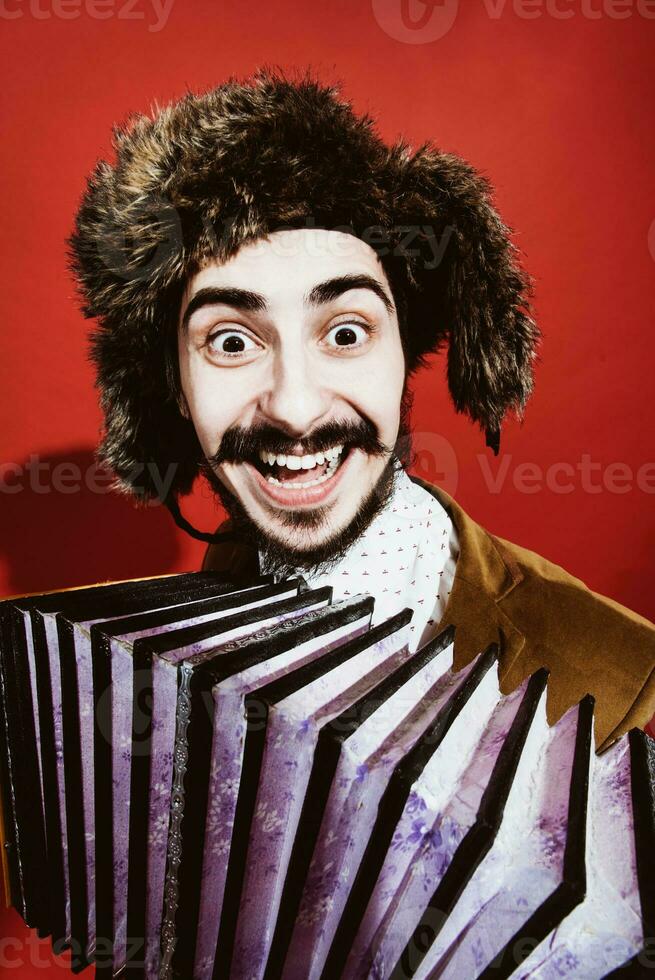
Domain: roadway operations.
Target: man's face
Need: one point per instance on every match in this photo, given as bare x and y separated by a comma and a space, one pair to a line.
292, 370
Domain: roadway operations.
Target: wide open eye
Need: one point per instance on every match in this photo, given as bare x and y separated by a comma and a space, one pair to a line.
345, 335
230, 343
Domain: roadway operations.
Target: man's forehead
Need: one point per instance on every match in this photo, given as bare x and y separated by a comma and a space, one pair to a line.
288, 264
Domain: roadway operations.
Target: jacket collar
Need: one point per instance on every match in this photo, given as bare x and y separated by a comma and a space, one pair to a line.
485, 575
479, 608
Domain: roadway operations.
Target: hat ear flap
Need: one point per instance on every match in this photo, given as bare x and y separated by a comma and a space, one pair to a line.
477, 290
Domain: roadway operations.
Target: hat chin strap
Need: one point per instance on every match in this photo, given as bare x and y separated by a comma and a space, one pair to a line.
184, 525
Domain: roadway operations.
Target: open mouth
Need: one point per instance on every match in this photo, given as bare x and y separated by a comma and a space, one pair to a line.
295, 472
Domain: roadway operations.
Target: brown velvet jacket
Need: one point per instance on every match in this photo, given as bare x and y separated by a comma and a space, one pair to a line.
540, 616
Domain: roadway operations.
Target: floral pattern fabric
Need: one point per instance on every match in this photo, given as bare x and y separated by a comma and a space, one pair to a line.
440, 808
226, 767
526, 861
605, 929
291, 735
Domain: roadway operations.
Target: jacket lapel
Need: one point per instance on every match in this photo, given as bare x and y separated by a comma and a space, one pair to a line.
484, 576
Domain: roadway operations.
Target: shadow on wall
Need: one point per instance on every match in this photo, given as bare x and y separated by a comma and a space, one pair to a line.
62, 525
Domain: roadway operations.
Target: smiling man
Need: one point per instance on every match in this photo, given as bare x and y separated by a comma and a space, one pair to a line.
268, 274
295, 389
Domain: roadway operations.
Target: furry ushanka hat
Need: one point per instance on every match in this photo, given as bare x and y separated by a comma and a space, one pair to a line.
199, 178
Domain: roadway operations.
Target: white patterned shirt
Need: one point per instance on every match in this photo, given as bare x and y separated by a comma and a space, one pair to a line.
405, 557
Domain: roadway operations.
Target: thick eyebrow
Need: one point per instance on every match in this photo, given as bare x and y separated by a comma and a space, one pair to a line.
326, 291
251, 302
240, 299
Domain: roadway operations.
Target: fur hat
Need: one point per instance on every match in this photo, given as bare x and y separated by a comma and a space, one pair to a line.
199, 178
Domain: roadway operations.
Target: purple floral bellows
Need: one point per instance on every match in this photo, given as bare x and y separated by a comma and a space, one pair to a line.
206, 782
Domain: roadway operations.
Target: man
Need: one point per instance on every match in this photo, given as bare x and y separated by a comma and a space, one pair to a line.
268, 274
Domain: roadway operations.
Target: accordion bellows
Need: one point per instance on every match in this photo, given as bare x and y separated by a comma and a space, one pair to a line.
206, 782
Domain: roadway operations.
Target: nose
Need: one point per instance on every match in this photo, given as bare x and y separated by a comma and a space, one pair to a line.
295, 398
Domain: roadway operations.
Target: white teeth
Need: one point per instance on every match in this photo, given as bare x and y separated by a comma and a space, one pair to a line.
307, 462
334, 452
306, 483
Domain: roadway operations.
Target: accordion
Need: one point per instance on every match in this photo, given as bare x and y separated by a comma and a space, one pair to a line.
210, 782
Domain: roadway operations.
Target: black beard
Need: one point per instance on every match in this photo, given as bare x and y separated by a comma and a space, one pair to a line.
281, 559
275, 556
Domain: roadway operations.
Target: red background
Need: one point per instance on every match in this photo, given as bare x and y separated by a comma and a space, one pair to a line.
554, 110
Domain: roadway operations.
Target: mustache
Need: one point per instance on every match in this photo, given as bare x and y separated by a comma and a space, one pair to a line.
240, 444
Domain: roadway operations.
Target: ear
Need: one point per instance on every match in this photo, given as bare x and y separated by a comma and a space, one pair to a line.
476, 298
